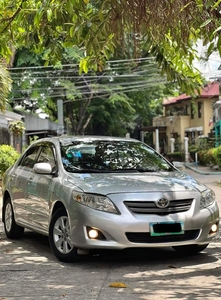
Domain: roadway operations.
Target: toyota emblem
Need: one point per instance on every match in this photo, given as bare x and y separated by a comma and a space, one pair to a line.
163, 203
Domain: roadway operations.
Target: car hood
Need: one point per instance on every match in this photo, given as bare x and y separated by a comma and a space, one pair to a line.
108, 183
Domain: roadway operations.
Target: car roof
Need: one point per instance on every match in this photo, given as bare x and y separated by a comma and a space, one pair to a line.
69, 139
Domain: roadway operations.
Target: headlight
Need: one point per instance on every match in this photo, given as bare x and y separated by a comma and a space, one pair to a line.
96, 202
207, 198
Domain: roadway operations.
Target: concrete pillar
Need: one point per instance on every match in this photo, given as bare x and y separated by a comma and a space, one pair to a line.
60, 117
11, 139
186, 152
60, 112
157, 147
142, 136
172, 141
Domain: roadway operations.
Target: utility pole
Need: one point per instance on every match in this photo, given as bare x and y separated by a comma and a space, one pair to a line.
60, 129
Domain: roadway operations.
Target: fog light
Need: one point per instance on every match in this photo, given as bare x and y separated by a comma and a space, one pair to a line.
214, 228
93, 234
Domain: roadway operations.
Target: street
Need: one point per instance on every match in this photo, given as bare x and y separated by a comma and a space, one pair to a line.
29, 270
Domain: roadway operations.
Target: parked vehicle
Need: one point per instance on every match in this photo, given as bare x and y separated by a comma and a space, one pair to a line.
95, 192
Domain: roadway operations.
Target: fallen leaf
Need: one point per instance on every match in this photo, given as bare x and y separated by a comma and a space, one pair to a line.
118, 285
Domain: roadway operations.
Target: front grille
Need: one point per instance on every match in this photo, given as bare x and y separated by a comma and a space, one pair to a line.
145, 237
149, 207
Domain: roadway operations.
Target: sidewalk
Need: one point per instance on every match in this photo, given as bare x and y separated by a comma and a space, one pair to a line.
204, 170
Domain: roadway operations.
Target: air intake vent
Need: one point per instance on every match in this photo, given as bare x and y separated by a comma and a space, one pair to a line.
144, 237
149, 207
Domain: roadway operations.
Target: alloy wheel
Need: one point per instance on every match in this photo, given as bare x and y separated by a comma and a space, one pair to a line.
61, 235
8, 216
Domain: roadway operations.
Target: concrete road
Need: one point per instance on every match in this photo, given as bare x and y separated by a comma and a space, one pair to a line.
28, 270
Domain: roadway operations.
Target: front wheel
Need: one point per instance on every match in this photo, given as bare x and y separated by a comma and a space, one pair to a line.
12, 230
59, 237
190, 249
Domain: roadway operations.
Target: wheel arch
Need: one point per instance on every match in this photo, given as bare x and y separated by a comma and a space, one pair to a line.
57, 205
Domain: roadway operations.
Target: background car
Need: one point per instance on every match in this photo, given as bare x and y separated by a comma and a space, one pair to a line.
93, 192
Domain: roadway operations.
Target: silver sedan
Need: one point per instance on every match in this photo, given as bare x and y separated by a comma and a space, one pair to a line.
92, 192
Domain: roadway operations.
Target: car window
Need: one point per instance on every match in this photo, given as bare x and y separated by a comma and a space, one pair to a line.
30, 157
112, 156
47, 155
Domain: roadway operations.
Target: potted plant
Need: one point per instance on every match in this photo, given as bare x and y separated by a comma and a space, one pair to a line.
17, 128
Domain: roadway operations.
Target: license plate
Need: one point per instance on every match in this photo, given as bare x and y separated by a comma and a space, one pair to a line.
166, 228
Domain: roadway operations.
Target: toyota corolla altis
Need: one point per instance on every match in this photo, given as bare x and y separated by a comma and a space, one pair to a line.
93, 192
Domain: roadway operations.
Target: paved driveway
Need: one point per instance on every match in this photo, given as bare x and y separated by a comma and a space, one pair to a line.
28, 270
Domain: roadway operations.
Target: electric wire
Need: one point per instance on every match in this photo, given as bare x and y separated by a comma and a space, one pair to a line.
124, 75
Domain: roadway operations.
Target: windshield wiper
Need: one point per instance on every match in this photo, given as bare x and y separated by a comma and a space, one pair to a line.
129, 170
132, 170
136, 170
87, 171
146, 170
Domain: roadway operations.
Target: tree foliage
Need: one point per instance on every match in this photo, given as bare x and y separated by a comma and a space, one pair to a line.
8, 156
108, 102
5, 86
166, 29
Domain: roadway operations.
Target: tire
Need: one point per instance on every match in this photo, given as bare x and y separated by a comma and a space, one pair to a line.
59, 237
190, 249
12, 230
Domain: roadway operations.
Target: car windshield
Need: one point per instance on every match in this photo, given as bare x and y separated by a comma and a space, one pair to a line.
112, 156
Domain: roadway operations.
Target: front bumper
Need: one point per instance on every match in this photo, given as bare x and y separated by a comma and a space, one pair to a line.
133, 231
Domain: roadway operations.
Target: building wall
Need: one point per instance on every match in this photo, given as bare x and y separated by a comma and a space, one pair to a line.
178, 121
5, 118
184, 123
208, 114
34, 123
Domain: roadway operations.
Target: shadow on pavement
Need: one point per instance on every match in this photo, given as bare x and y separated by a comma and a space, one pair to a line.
37, 246
29, 270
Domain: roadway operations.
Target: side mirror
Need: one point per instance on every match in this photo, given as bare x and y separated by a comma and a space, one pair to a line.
42, 168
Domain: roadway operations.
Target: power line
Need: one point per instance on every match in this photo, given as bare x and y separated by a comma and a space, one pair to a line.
58, 67
103, 92
105, 73
111, 85
76, 69
120, 76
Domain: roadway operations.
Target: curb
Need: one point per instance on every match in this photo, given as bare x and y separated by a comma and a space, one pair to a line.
194, 168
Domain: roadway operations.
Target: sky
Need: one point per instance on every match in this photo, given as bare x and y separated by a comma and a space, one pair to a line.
209, 69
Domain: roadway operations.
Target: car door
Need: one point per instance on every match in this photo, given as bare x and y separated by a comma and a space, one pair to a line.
40, 189
19, 183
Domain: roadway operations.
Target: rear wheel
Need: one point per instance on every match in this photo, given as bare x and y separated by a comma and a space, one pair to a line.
190, 249
12, 230
59, 237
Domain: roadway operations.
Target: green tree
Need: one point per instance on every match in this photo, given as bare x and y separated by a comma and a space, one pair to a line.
8, 156
167, 29
113, 101
112, 115
30, 89
5, 86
